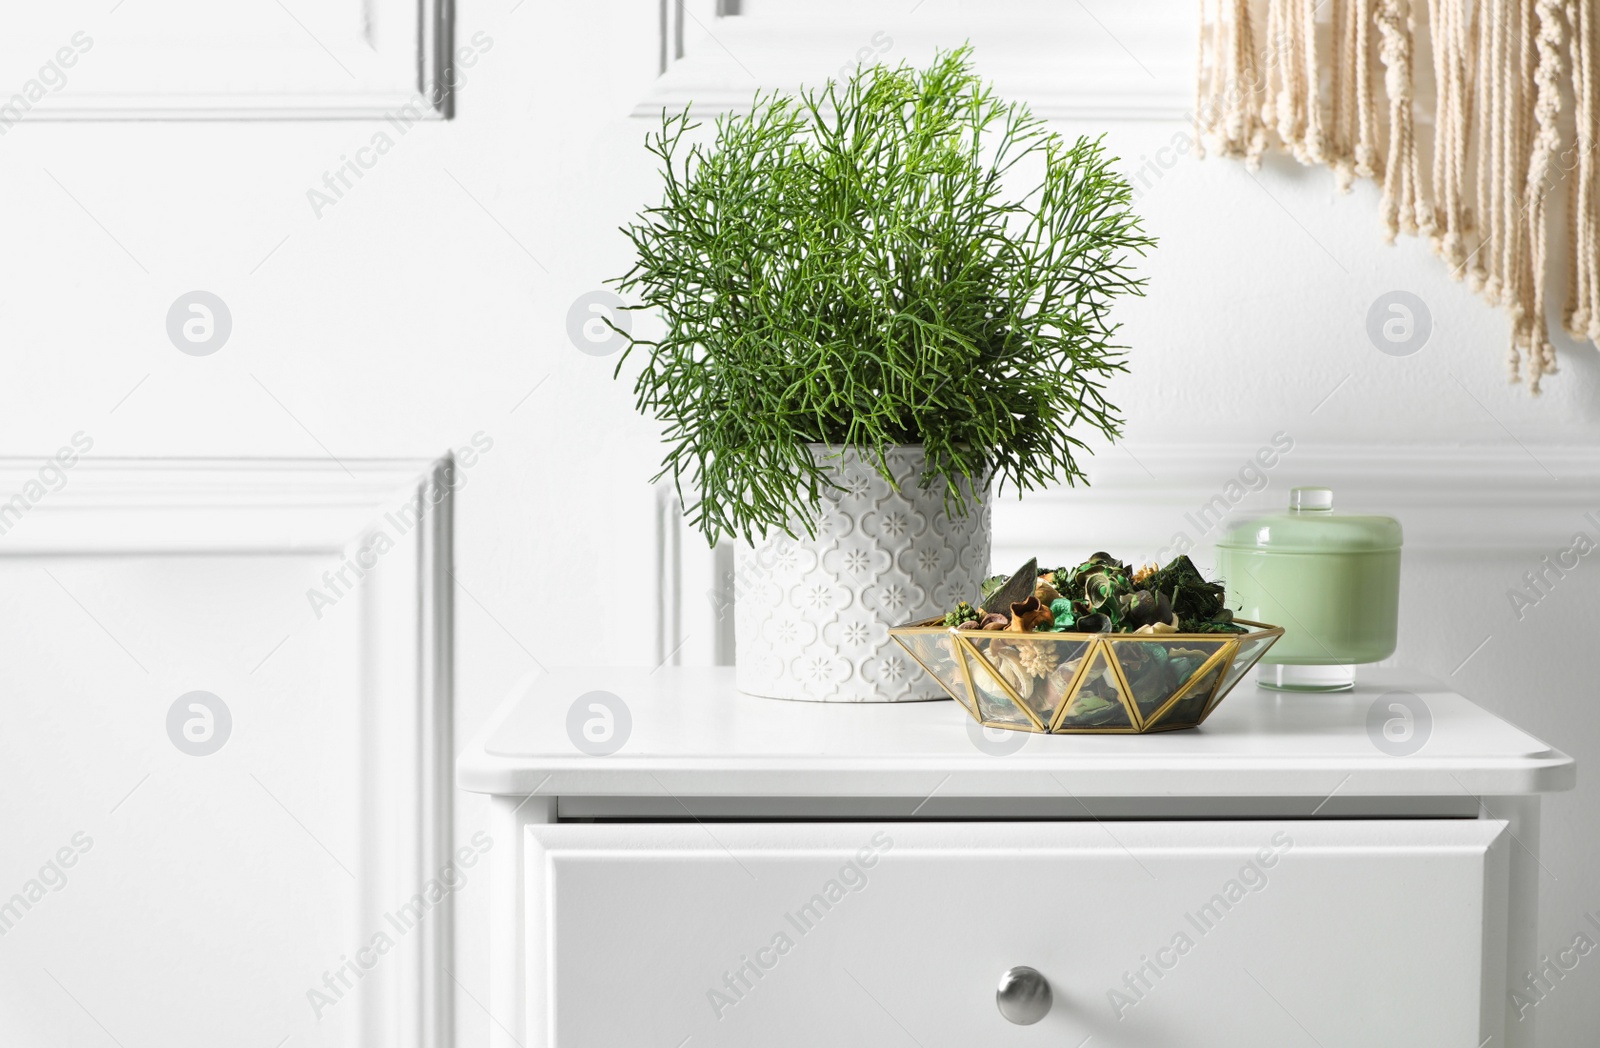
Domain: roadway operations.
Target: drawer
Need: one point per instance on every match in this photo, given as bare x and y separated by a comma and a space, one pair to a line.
1229, 934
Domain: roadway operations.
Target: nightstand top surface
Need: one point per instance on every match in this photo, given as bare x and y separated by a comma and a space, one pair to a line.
692, 734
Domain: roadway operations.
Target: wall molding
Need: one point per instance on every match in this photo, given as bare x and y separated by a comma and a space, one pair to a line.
138, 507
1066, 62
131, 505
694, 595
338, 60
1486, 500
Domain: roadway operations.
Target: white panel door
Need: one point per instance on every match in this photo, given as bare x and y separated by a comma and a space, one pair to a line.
1194, 934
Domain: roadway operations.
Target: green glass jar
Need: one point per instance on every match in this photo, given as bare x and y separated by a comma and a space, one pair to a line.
1331, 580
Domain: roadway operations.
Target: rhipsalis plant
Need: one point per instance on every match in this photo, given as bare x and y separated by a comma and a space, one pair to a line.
903, 258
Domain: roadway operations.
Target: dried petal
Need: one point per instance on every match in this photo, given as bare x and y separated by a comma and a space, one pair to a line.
1029, 615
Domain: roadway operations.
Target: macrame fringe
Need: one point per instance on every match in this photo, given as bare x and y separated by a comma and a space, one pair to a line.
1476, 175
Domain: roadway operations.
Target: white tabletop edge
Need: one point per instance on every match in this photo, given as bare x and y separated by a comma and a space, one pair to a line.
1522, 765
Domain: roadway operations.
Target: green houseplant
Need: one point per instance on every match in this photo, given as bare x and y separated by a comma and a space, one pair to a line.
879, 298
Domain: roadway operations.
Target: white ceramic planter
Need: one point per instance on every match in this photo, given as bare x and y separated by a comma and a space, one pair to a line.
812, 616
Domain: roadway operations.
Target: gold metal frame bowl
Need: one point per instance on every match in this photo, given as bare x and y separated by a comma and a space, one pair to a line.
1086, 683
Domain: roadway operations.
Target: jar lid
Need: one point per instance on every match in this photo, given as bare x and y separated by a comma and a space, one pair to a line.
1310, 525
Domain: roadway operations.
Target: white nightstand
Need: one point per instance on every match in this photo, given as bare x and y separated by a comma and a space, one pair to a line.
761, 874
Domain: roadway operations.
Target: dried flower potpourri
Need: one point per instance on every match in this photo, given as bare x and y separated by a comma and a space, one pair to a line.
1101, 595
1092, 648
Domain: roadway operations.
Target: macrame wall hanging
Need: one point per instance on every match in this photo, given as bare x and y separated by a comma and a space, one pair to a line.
1473, 115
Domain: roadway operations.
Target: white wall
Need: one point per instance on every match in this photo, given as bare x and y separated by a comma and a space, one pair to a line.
431, 303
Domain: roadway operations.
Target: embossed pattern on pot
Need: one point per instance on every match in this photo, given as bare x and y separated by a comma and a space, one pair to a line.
813, 615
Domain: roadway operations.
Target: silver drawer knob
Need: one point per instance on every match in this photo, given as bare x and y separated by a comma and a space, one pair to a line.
1024, 995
